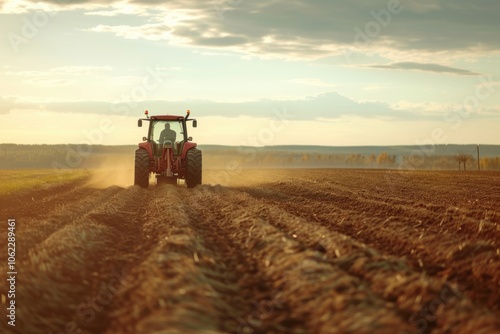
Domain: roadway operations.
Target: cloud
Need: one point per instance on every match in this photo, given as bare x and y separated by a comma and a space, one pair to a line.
416, 31
46, 82
152, 31
6, 105
27, 6
437, 109
331, 107
220, 41
435, 68
427, 107
325, 106
122, 10
58, 76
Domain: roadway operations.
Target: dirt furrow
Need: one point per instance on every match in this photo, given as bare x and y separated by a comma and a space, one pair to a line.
252, 308
35, 230
437, 217
467, 190
171, 287
281, 251
308, 289
37, 202
68, 279
425, 302
451, 256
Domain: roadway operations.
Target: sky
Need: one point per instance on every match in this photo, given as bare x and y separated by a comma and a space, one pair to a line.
275, 72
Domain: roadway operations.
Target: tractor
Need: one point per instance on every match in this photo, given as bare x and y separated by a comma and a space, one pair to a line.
168, 152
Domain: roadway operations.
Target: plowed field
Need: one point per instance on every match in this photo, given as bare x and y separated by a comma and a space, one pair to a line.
281, 251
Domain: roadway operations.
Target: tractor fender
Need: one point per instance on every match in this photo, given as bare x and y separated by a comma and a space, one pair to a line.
186, 148
147, 146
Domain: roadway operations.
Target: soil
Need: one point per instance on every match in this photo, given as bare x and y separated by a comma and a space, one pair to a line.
271, 251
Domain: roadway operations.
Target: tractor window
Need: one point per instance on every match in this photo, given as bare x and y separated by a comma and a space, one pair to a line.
167, 130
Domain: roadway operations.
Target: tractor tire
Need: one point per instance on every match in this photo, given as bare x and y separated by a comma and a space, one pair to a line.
141, 175
194, 171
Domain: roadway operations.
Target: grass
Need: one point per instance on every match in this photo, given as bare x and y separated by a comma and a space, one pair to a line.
13, 181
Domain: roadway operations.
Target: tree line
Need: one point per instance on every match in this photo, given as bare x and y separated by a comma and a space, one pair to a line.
47, 156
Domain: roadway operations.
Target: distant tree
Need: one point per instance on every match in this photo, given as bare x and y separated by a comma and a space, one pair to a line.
355, 159
372, 159
463, 158
490, 163
386, 159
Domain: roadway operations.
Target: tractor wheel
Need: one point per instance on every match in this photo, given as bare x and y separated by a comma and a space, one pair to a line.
194, 163
141, 175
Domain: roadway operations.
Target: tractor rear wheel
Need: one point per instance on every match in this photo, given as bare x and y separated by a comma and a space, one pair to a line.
194, 164
141, 175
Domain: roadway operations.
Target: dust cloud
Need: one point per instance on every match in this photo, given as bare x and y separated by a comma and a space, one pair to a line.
112, 170
218, 169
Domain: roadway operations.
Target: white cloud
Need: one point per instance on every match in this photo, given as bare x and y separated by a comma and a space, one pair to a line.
152, 31
46, 82
120, 9
426, 107
434, 108
27, 6
324, 106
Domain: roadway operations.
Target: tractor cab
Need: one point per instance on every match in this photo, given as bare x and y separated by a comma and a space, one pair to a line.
167, 130
166, 133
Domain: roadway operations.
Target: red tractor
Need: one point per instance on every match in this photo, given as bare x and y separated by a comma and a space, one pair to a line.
168, 152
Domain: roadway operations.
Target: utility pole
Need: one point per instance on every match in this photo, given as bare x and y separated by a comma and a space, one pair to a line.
478, 164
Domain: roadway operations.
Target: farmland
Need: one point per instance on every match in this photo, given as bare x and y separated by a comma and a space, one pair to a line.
264, 251
16, 181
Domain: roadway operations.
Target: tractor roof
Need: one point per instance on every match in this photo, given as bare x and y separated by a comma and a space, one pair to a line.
167, 118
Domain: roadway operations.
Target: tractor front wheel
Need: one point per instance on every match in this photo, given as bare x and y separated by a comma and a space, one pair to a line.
141, 175
193, 172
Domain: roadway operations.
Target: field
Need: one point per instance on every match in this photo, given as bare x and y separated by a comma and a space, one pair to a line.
16, 181
268, 251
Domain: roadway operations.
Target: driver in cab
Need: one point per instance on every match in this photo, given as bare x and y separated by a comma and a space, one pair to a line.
167, 134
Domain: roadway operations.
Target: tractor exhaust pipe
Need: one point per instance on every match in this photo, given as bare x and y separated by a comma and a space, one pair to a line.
187, 115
